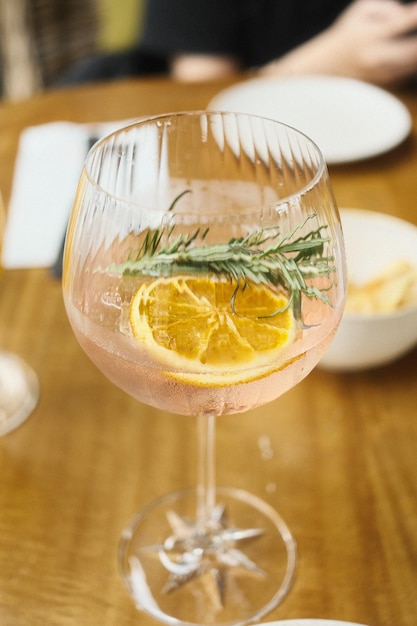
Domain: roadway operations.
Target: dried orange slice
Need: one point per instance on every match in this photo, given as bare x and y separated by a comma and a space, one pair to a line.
195, 326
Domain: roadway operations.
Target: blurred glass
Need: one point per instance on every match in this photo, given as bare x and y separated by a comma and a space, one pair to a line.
19, 385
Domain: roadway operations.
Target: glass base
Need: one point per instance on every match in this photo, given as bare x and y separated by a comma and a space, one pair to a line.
19, 392
231, 570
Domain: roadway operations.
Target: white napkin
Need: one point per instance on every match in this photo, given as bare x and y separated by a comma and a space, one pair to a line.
47, 169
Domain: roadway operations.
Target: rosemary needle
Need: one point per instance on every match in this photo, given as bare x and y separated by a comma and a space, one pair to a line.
265, 256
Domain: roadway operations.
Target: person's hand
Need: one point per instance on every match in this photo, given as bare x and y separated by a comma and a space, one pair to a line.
198, 67
372, 40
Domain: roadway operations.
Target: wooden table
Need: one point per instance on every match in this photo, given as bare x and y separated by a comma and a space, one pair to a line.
342, 468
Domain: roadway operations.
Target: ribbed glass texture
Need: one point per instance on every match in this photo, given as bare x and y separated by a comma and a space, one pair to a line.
172, 213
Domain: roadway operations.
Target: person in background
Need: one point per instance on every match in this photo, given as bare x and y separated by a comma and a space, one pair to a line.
200, 40
371, 40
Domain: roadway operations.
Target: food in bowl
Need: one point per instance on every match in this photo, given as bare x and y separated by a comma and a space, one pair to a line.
381, 255
393, 288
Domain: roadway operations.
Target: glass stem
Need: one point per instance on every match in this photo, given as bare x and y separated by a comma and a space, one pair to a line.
206, 488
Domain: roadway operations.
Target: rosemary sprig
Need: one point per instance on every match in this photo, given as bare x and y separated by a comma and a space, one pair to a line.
266, 256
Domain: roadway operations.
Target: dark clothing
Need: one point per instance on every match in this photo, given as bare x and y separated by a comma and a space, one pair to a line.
114, 66
253, 31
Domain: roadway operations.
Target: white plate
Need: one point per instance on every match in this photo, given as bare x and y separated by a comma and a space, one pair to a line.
310, 622
348, 119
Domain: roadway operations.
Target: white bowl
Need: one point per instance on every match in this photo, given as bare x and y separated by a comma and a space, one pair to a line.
373, 241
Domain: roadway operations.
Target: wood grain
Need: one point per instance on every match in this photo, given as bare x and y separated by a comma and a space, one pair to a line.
342, 468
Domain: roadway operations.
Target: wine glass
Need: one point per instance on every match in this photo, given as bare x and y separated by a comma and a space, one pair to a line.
19, 386
204, 274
